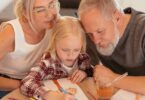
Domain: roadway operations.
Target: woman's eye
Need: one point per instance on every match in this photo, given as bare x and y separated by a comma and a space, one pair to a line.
39, 10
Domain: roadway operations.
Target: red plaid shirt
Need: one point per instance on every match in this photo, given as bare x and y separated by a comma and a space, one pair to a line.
48, 68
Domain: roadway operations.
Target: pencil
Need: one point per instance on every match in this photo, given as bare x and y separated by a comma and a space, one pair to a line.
61, 88
117, 79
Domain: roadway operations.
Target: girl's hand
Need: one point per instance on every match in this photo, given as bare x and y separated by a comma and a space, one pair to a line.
77, 76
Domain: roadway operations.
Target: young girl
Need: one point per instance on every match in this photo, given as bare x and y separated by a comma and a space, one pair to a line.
65, 57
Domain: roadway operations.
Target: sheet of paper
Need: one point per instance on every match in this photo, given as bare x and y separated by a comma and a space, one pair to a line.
65, 83
126, 95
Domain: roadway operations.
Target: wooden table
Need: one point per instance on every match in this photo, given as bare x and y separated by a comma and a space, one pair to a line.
88, 86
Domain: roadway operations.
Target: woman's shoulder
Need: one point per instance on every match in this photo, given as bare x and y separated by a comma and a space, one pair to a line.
7, 38
6, 29
7, 33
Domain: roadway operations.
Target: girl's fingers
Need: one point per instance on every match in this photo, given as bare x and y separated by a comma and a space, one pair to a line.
79, 76
75, 77
73, 74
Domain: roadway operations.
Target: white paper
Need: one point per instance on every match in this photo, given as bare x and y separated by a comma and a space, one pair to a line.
65, 83
126, 95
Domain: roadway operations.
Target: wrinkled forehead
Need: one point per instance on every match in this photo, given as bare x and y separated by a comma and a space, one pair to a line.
92, 20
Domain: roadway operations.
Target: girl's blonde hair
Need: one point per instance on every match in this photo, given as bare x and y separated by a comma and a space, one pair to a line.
64, 27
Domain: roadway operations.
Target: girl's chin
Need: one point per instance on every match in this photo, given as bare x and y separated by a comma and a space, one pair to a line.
69, 65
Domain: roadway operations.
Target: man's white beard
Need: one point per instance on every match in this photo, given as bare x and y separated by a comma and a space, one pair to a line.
110, 48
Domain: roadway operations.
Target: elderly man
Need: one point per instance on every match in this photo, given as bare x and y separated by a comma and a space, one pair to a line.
119, 37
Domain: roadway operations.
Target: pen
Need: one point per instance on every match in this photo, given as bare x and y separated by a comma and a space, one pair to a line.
61, 88
92, 66
117, 79
64, 91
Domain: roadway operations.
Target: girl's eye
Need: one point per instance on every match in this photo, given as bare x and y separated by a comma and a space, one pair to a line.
77, 50
65, 50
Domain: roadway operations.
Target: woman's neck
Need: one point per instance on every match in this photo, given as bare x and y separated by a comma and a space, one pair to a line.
31, 36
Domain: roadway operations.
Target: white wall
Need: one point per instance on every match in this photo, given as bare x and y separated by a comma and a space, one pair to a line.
137, 4
6, 9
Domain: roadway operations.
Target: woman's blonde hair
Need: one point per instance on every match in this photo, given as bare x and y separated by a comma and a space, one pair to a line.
65, 27
22, 6
26, 6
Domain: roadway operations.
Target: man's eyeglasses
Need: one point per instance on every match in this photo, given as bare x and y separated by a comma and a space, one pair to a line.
54, 6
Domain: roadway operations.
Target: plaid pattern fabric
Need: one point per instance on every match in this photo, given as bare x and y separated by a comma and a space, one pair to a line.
47, 68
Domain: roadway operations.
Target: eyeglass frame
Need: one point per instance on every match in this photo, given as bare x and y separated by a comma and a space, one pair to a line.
52, 6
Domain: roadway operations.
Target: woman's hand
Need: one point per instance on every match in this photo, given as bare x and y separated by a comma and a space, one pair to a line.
14, 84
56, 95
77, 76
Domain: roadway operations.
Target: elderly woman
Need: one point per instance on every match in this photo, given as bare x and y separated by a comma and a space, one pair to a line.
24, 39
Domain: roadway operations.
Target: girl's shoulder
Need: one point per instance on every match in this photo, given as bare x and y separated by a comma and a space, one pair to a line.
83, 61
46, 55
83, 56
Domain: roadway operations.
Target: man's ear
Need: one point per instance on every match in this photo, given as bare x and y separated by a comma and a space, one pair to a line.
117, 15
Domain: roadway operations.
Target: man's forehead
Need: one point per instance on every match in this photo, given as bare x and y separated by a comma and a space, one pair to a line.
92, 24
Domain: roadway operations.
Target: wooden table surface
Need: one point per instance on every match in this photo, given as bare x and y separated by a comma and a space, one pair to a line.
88, 86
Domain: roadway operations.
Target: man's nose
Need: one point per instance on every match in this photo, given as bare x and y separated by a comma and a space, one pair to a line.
96, 39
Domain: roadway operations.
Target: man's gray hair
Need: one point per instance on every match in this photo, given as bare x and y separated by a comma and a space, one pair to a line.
105, 6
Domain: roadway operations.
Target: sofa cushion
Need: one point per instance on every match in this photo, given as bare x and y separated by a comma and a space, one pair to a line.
69, 3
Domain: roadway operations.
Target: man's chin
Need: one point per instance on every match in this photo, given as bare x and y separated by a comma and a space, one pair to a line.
105, 51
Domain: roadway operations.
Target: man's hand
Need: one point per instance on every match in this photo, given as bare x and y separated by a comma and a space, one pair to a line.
103, 75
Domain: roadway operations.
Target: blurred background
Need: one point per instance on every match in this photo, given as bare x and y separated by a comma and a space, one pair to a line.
68, 7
